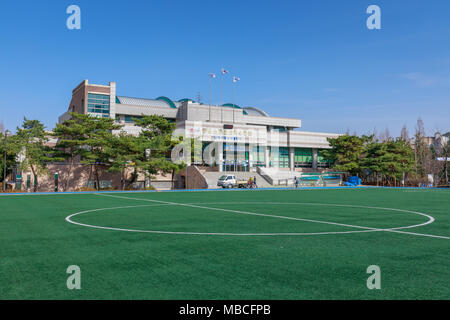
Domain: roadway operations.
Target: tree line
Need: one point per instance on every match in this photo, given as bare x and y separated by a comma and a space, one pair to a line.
390, 161
101, 144
96, 142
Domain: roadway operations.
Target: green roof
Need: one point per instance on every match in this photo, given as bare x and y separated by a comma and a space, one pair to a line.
185, 99
168, 101
235, 106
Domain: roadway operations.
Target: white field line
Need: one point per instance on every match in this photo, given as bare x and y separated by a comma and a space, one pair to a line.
366, 229
69, 219
247, 213
430, 218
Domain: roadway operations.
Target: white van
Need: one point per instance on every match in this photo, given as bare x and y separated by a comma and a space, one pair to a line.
227, 181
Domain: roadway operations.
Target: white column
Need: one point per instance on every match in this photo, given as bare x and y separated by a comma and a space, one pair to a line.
112, 100
250, 156
314, 159
291, 158
267, 156
219, 155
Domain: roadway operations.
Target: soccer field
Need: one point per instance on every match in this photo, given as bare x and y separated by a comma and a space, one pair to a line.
256, 244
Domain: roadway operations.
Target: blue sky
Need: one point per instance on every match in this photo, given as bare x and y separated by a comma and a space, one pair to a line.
313, 60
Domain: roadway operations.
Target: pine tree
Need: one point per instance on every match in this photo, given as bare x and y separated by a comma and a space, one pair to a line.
32, 139
98, 140
72, 135
347, 152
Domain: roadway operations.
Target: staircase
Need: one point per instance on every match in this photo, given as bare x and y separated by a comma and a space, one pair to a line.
277, 177
212, 177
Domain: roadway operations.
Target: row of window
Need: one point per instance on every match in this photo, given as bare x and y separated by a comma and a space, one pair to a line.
128, 119
280, 160
98, 104
98, 97
98, 109
99, 115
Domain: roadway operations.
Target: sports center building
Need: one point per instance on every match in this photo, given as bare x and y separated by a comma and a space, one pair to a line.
261, 139
244, 140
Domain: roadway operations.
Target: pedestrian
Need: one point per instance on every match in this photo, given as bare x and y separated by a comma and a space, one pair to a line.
296, 181
254, 182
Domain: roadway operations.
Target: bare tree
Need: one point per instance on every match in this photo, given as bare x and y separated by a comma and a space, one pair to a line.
420, 129
385, 136
441, 151
422, 151
375, 134
2, 127
404, 134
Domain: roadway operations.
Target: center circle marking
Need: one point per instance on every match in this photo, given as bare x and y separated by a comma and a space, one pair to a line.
366, 229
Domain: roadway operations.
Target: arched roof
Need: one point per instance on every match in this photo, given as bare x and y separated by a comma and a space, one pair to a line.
141, 102
253, 111
168, 101
185, 99
235, 106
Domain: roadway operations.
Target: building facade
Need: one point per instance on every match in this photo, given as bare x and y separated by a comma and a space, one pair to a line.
243, 138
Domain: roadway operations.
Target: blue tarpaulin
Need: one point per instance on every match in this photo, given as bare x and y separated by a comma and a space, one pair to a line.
353, 181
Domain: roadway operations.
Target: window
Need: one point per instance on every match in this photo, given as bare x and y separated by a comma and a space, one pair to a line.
258, 156
280, 129
98, 104
303, 158
280, 160
130, 119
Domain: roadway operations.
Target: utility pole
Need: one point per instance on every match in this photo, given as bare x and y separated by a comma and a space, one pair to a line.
7, 132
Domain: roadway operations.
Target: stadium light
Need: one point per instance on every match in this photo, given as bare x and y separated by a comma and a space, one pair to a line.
7, 133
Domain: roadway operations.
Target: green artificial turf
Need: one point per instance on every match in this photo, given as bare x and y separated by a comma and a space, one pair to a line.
37, 245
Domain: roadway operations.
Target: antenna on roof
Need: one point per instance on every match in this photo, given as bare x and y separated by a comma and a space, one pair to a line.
199, 98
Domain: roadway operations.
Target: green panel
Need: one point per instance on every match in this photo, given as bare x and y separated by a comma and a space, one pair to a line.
303, 155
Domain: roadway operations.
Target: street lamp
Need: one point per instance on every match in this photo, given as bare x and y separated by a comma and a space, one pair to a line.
7, 133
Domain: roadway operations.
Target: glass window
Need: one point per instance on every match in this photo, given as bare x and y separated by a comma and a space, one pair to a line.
258, 155
280, 129
303, 157
130, 119
280, 160
98, 104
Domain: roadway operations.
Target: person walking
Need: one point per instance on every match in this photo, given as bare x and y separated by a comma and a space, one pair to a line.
254, 182
296, 182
